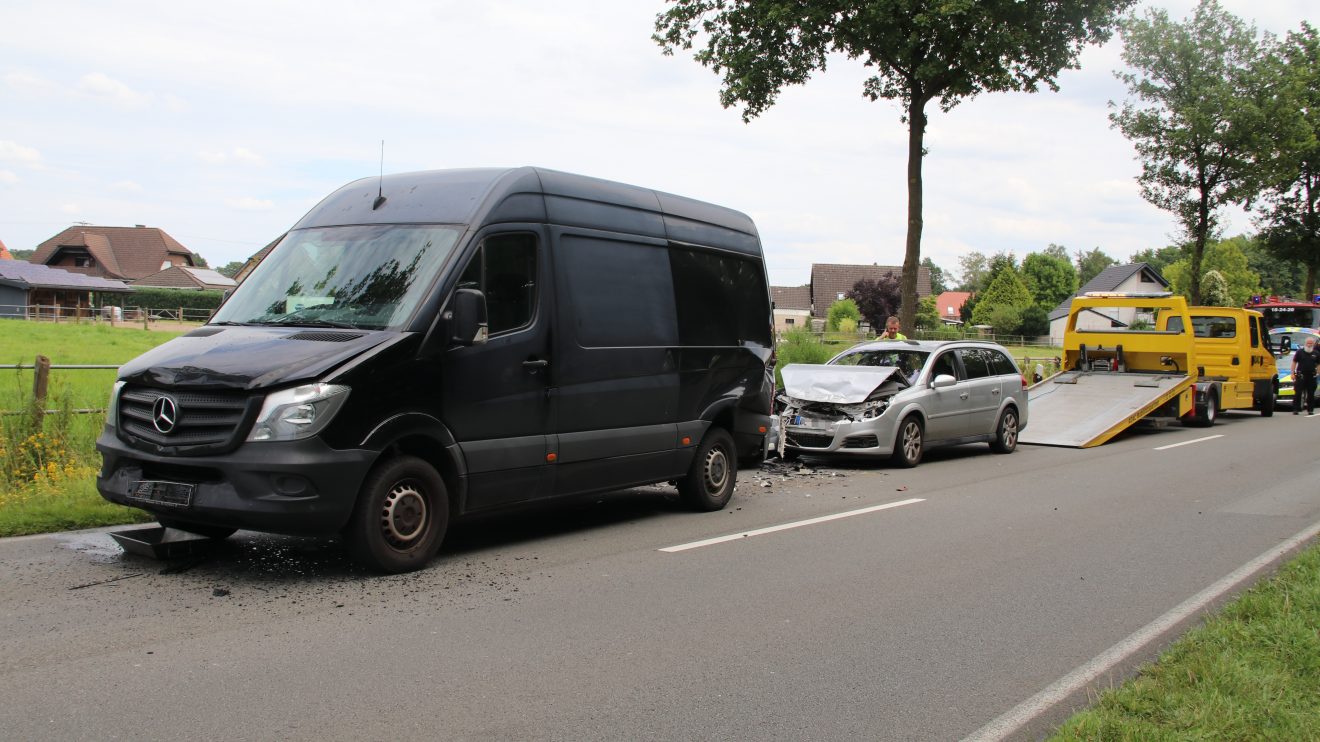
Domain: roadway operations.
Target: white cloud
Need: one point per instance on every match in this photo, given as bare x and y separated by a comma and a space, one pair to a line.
248, 203
99, 85
24, 82
15, 152
70, 208
8, 177
126, 185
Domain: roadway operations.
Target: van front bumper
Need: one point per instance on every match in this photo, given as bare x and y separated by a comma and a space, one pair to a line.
294, 487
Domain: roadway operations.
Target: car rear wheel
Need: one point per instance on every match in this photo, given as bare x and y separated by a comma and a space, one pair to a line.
713, 473
401, 516
911, 441
1006, 433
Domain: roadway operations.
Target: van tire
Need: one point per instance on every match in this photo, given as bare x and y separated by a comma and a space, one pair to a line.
215, 532
714, 472
910, 443
1006, 432
401, 516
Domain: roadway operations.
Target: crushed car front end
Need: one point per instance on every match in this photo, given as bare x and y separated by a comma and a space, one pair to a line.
839, 410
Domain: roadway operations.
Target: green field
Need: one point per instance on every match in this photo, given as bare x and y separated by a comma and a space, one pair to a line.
47, 474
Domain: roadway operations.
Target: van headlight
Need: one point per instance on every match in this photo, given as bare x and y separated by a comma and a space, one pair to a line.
300, 412
112, 409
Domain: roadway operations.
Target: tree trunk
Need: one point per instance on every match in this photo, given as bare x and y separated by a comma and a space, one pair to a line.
907, 312
1198, 249
1310, 281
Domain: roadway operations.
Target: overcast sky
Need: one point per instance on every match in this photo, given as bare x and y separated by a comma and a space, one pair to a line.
223, 123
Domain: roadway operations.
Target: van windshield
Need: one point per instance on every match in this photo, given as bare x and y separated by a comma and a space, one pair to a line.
367, 277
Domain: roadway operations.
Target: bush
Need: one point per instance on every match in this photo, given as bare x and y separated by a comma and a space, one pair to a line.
848, 326
1035, 322
154, 298
799, 346
841, 310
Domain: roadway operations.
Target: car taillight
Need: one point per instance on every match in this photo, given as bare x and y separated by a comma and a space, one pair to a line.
1024, 382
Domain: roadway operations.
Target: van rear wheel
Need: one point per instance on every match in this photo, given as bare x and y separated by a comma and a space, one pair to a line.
713, 473
401, 516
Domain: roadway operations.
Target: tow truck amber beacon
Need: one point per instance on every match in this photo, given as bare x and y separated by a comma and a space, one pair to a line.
425, 346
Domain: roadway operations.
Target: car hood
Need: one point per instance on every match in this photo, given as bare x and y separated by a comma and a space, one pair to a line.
837, 384
250, 357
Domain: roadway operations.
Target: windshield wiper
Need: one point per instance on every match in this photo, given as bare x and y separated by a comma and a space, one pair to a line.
307, 323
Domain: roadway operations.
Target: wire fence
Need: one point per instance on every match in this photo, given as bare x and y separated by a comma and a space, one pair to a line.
41, 382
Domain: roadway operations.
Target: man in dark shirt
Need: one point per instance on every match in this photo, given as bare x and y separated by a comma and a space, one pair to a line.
1303, 372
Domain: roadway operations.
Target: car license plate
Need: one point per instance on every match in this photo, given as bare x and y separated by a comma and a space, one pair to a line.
173, 494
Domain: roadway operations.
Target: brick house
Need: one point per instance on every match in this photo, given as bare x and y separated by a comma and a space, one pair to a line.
124, 253
792, 307
830, 282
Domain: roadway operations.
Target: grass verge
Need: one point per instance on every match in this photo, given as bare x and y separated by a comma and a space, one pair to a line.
65, 505
1251, 672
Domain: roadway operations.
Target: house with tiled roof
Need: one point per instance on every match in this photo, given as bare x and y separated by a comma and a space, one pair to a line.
1129, 278
949, 306
27, 289
125, 253
792, 307
831, 281
187, 277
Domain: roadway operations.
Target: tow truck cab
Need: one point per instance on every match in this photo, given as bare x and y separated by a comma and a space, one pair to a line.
1235, 368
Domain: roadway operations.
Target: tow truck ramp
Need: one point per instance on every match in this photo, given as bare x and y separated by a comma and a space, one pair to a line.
1081, 409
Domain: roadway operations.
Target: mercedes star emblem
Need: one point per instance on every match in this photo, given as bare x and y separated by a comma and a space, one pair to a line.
164, 414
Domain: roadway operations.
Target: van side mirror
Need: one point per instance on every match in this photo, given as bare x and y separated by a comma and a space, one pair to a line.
943, 380
467, 317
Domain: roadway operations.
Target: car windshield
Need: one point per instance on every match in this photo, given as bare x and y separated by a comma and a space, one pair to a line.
909, 362
367, 277
1294, 340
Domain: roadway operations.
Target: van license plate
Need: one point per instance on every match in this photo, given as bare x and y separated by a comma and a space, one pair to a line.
174, 494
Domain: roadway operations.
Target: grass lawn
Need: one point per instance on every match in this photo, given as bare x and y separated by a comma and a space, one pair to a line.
1250, 672
47, 476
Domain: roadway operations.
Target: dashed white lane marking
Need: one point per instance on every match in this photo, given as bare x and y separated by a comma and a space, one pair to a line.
1188, 443
786, 526
1020, 715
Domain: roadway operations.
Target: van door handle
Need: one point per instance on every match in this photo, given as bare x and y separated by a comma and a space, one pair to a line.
535, 363
995, 391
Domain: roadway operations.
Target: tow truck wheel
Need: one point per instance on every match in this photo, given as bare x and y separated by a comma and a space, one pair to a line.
1006, 433
911, 435
709, 481
1204, 417
401, 516
1267, 404
215, 532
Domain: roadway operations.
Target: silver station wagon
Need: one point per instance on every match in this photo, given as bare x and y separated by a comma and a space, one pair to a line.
898, 397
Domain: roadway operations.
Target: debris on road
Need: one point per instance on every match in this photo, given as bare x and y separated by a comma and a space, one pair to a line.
775, 470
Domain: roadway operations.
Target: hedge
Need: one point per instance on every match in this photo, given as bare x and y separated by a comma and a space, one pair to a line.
155, 298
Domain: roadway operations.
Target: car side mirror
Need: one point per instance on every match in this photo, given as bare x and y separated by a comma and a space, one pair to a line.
943, 380
467, 317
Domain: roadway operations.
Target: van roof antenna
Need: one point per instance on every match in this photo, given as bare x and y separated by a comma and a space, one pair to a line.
380, 192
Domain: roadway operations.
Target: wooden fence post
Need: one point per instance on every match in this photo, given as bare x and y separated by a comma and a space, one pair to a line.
40, 382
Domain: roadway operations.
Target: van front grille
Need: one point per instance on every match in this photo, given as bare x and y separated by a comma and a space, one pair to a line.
209, 420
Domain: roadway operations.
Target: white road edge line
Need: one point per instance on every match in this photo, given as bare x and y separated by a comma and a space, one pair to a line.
1020, 715
786, 526
1188, 443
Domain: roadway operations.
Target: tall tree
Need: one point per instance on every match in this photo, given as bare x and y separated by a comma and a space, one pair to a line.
1050, 278
1090, 263
921, 50
972, 267
1057, 251
1229, 260
1006, 291
1291, 158
939, 281
1194, 115
1159, 258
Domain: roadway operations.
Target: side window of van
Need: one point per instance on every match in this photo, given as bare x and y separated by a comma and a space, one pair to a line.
504, 269
721, 298
620, 294
974, 361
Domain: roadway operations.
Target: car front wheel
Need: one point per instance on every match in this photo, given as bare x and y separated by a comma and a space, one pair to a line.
910, 443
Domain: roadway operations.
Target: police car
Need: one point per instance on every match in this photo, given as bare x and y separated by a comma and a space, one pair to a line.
1286, 341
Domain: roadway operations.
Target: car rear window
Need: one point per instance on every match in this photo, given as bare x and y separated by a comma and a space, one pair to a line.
1000, 364
974, 360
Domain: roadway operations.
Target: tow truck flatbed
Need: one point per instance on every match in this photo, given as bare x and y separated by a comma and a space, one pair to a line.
1081, 409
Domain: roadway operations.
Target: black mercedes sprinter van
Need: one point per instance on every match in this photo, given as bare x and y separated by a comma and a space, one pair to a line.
429, 345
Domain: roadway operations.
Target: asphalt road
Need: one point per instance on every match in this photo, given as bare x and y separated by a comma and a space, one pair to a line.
926, 620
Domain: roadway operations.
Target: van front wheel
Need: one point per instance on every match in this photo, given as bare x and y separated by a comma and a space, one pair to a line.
714, 470
401, 516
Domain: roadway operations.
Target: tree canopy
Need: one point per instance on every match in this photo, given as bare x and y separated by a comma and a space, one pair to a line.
1050, 278
1091, 263
877, 299
921, 51
1006, 290
1195, 115
1229, 260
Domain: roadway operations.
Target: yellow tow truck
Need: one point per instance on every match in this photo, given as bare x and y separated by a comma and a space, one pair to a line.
1235, 369
1119, 368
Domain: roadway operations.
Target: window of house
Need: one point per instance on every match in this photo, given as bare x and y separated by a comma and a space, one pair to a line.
504, 269
788, 320
82, 262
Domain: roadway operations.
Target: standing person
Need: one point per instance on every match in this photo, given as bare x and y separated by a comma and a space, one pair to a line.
891, 330
1303, 372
